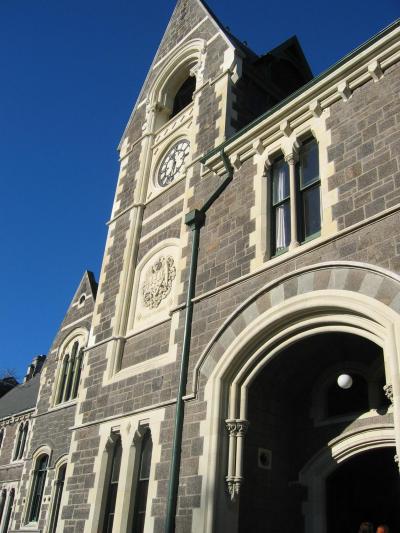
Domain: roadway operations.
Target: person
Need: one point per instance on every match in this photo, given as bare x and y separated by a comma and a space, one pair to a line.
366, 527
382, 529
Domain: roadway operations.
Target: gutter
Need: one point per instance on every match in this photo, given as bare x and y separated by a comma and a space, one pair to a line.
221, 148
195, 220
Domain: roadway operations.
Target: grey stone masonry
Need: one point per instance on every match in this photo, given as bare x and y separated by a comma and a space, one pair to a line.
366, 150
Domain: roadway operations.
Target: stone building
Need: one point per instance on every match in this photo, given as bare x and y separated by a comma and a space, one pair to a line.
239, 368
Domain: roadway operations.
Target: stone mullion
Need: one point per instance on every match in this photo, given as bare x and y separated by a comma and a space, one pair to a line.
291, 160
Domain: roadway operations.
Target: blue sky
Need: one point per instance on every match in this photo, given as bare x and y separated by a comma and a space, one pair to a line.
71, 71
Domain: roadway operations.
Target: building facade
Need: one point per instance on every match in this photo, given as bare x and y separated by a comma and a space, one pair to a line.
238, 366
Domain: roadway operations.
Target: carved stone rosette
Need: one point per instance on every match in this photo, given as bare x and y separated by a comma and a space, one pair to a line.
389, 392
158, 282
237, 429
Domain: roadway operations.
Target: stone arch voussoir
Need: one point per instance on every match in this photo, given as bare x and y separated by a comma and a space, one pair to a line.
368, 280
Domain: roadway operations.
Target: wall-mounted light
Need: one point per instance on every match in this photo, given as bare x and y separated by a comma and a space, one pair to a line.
345, 381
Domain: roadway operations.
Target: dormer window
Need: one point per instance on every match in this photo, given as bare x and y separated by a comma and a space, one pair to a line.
184, 96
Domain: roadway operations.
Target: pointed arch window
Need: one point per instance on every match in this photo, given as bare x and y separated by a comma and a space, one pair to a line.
70, 372
112, 486
59, 488
142, 486
3, 498
22, 436
39, 481
8, 511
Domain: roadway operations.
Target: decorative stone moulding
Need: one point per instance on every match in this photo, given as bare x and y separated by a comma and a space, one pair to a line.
158, 281
237, 430
389, 392
286, 128
375, 70
344, 90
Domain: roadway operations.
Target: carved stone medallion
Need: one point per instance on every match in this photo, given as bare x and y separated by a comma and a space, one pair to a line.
158, 282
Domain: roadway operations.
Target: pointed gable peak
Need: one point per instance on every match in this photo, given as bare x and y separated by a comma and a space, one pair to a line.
86, 288
187, 15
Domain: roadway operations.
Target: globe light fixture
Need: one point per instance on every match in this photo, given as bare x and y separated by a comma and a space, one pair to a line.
345, 381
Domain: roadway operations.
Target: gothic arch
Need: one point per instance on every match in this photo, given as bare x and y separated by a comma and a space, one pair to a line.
344, 297
361, 279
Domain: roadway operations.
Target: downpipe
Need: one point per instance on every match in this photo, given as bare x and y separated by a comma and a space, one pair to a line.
195, 220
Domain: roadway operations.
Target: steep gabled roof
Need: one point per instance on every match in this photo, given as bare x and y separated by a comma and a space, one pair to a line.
21, 398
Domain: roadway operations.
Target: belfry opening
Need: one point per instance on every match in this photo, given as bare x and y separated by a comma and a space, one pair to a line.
318, 396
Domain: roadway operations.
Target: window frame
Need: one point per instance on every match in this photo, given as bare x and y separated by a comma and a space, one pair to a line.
40, 454
57, 495
70, 365
301, 190
274, 252
296, 204
21, 438
144, 437
114, 446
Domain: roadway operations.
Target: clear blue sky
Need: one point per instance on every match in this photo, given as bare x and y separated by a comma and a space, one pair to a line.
70, 74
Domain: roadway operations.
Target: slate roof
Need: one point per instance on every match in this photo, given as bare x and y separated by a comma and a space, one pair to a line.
20, 398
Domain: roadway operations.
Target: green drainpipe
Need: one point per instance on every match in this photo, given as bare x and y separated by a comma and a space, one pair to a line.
195, 220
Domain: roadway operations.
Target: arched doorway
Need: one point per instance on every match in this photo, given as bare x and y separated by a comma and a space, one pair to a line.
296, 410
364, 488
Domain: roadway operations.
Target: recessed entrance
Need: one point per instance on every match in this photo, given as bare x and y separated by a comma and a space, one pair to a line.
366, 488
296, 409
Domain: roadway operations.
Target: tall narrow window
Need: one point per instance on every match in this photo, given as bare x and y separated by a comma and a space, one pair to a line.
309, 185
22, 436
280, 206
57, 498
70, 372
3, 497
9, 510
142, 483
112, 487
39, 480
1, 437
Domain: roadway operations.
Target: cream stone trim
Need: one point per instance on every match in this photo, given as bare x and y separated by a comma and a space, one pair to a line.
158, 154
169, 222
79, 334
355, 73
263, 158
314, 474
329, 310
61, 461
68, 326
289, 255
42, 450
128, 429
9, 486
179, 43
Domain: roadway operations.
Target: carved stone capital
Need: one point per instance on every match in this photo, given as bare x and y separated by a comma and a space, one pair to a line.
389, 392
236, 428
233, 485
292, 158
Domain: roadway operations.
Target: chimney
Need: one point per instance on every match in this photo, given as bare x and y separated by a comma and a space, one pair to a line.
35, 367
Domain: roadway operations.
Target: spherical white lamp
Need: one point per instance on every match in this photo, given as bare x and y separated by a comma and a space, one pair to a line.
345, 381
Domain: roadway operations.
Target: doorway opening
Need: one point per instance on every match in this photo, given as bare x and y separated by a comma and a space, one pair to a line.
366, 488
295, 409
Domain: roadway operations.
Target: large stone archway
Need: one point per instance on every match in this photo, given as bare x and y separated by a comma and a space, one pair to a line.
342, 297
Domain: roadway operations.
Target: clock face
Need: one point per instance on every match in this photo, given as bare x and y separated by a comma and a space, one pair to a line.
173, 162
